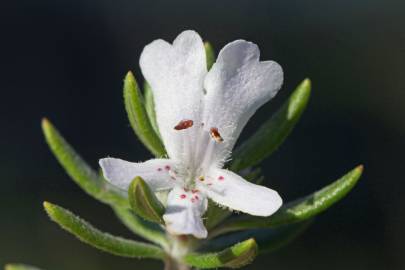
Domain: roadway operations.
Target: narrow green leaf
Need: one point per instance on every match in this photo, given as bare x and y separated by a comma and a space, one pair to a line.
150, 107
282, 236
215, 214
298, 210
236, 256
144, 202
149, 231
18, 266
138, 117
268, 239
103, 241
274, 131
210, 54
89, 180
252, 175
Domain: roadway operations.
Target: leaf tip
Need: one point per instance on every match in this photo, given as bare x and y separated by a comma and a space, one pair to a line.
136, 182
360, 168
47, 128
244, 253
250, 243
357, 172
45, 123
307, 83
305, 87
129, 75
49, 208
130, 82
210, 54
207, 45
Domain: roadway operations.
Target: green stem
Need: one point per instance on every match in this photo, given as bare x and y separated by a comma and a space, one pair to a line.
173, 264
179, 247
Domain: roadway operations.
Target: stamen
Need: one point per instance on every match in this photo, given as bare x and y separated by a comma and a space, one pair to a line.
183, 196
159, 169
208, 152
172, 173
167, 167
220, 178
195, 191
215, 135
184, 124
201, 178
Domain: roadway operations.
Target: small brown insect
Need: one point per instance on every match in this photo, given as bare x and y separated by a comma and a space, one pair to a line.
184, 124
215, 135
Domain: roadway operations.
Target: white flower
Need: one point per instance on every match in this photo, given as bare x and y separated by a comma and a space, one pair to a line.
200, 115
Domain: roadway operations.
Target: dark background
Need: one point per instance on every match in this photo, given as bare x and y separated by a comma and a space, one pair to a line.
66, 60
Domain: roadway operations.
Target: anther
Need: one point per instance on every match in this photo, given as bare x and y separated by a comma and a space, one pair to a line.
220, 178
201, 178
215, 135
183, 196
184, 124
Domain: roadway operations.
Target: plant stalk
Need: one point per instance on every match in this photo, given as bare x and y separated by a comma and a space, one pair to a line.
172, 264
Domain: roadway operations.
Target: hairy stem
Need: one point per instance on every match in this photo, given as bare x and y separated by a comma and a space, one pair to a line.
179, 247
172, 264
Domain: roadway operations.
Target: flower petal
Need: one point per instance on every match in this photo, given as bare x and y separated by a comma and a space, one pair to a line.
176, 75
229, 189
157, 173
237, 85
184, 211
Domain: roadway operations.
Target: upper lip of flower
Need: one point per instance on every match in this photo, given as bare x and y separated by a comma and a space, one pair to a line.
200, 115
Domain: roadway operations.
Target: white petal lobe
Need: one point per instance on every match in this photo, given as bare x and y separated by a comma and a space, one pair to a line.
237, 85
157, 173
184, 211
229, 189
176, 74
